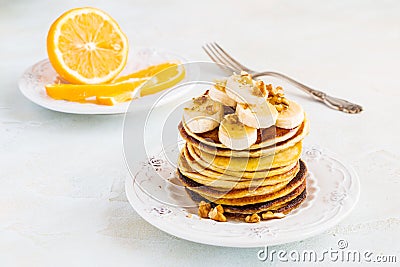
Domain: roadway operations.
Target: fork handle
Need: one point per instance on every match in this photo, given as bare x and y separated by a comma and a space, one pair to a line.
330, 101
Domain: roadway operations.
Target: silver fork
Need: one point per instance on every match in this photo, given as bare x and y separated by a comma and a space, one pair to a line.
229, 64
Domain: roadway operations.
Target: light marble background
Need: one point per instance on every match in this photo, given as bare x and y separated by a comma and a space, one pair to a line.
62, 201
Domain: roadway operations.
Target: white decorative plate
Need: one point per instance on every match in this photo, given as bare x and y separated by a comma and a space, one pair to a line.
332, 191
37, 76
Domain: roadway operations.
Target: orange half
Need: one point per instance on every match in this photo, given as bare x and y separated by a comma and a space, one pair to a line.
87, 46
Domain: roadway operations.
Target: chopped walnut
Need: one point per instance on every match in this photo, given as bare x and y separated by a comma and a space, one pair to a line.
271, 215
204, 209
260, 89
254, 218
246, 75
257, 92
270, 89
220, 209
245, 106
232, 119
279, 107
277, 98
285, 101
220, 85
245, 78
217, 214
200, 100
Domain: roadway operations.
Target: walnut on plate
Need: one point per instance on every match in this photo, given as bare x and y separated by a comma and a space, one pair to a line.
254, 218
271, 215
204, 209
217, 214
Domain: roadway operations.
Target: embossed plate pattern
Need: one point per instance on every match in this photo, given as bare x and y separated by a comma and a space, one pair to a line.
333, 190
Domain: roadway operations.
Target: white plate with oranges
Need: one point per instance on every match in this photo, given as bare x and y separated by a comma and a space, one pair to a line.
92, 70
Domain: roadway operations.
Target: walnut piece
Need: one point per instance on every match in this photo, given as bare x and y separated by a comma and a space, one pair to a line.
277, 98
252, 218
220, 209
233, 119
270, 89
220, 85
271, 215
217, 214
200, 100
204, 209
245, 78
260, 89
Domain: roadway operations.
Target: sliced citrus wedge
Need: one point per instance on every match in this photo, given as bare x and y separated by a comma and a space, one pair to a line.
113, 100
79, 92
170, 75
163, 80
147, 72
86, 46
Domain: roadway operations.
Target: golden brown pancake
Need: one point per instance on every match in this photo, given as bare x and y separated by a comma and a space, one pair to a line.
238, 199
287, 208
283, 204
207, 145
216, 192
271, 205
214, 179
283, 158
265, 136
199, 164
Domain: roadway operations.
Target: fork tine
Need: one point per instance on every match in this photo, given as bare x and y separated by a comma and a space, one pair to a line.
216, 59
230, 58
220, 58
205, 48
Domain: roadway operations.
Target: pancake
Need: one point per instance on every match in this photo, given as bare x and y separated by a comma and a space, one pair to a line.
199, 164
283, 158
265, 136
271, 205
281, 204
207, 145
229, 182
229, 193
210, 194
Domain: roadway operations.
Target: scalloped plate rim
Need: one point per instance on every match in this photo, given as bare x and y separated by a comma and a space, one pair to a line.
219, 241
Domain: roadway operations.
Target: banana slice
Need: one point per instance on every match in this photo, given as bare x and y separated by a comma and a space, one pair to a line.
202, 114
261, 115
243, 89
234, 134
217, 93
291, 117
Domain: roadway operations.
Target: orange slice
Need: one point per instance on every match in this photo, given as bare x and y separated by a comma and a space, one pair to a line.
79, 92
165, 75
147, 72
163, 80
113, 100
86, 46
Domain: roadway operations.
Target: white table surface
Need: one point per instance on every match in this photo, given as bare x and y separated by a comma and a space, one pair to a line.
62, 201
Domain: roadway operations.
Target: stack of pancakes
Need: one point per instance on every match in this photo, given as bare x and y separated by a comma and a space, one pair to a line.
269, 176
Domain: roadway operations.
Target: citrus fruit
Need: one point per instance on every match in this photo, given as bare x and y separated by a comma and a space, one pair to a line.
86, 46
163, 80
113, 100
80, 92
147, 72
